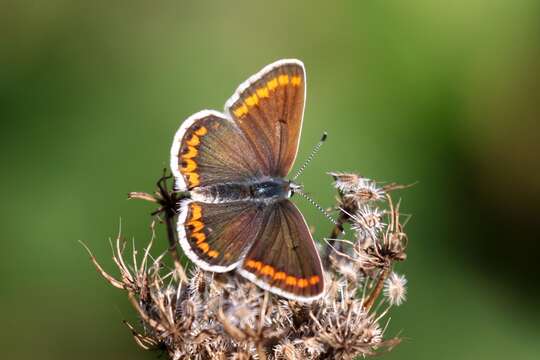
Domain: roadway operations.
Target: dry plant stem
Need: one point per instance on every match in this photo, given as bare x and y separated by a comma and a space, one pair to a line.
368, 303
395, 186
260, 348
153, 323
336, 231
142, 196
260, 351
145, 342
109, 278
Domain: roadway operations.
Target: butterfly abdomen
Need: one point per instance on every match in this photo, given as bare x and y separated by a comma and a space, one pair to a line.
263, 190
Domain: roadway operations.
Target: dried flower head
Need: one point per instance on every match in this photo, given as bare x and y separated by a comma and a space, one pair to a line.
394, 289
367, 222
345, 182
286, 350
348, 329
200, 315
367, 190
357, 188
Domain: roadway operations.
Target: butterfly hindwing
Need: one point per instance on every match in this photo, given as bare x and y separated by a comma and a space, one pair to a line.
269, 108
283, 258
209, 149
217, 236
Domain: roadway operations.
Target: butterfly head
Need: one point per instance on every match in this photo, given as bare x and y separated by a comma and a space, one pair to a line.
293, 188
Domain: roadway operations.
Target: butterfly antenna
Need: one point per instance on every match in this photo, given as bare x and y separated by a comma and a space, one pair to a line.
319, 207
315, 150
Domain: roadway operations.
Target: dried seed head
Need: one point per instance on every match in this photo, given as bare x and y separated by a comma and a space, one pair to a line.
242, 355
394, 289
349, 330
394, 245
311, 347
368, 190
345, 182
368, 260
348, 269
241, 314
335, 287
367, 224
357, 187
286, 350
223, 316
198, 285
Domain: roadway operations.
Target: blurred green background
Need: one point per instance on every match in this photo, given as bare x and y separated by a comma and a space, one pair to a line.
446, 94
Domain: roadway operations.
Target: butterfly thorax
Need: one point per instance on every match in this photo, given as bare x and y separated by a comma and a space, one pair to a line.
259, 190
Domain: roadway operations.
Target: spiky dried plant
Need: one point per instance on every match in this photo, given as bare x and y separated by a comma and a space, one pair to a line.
223, 316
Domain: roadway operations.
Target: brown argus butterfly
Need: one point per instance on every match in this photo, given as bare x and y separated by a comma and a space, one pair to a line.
233, 166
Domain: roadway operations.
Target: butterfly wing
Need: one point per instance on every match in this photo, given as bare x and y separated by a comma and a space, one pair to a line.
269, 108
217, 236
283, 258
258, 134
210, 149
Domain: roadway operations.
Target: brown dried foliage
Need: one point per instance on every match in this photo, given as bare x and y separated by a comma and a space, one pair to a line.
223, 316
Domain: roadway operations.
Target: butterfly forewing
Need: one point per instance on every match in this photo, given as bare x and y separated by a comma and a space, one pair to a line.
284, 258
269, 108
210, 149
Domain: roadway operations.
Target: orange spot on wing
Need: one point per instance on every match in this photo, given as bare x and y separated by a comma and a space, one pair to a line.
204, 247
188, 165
283, 79
213, 253
241, 111
193, 179
296, 80
195, 226
280, 276
272, 84
314, 280
252, 100
190, 153
194, 141
201, 131
291, 280
263, 92
253, 264
198, 237
302, 283
196, 212
268, 270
